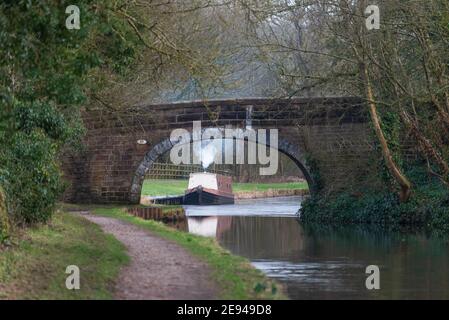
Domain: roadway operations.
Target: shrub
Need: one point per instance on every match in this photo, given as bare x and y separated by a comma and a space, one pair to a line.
31, 178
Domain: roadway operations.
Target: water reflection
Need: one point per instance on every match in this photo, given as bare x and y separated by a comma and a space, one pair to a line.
329, 263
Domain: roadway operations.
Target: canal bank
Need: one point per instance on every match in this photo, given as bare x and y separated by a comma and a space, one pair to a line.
33, 263
271, 193
129, 259
234, 276
427, 208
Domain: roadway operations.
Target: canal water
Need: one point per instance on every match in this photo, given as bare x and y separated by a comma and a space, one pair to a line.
318, 262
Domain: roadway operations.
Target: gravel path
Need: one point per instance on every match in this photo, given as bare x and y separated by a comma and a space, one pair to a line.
159, 269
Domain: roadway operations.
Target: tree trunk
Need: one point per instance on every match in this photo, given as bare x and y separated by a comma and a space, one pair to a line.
400, 178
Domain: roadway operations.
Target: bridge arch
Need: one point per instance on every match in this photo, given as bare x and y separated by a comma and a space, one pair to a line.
335, 133
284, 146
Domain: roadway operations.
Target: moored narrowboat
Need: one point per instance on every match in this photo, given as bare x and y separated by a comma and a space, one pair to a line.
208, 189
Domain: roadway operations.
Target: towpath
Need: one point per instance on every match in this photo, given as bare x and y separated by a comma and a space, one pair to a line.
159, 269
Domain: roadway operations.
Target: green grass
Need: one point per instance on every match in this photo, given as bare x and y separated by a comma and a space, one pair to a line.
166, 208
238, 187
234, 275
163, 187
177, 187
34, 268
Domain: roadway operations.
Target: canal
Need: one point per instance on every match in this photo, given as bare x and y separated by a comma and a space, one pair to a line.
318, 262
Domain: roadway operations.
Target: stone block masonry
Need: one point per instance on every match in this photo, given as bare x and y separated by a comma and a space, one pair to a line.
333, 132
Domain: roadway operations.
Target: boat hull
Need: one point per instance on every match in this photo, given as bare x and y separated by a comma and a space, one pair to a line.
204, 197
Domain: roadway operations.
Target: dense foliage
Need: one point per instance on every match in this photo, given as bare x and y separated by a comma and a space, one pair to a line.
46, 72
427, 208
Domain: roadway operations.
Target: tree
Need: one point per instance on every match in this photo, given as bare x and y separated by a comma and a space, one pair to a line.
400, 70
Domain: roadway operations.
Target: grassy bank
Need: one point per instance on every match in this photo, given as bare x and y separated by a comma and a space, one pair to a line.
177, 187
34, 267
166, 208
234, 275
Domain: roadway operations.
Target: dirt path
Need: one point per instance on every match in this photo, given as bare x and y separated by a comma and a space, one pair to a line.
159, 269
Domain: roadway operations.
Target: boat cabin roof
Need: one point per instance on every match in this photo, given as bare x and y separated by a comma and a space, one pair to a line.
210, 181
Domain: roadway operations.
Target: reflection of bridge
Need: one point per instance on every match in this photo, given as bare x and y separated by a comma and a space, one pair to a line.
328, 138
212, 226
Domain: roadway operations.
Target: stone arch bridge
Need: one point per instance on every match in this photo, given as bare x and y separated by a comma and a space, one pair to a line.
330, 140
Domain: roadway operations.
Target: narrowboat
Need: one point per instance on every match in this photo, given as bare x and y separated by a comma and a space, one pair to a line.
208, 189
